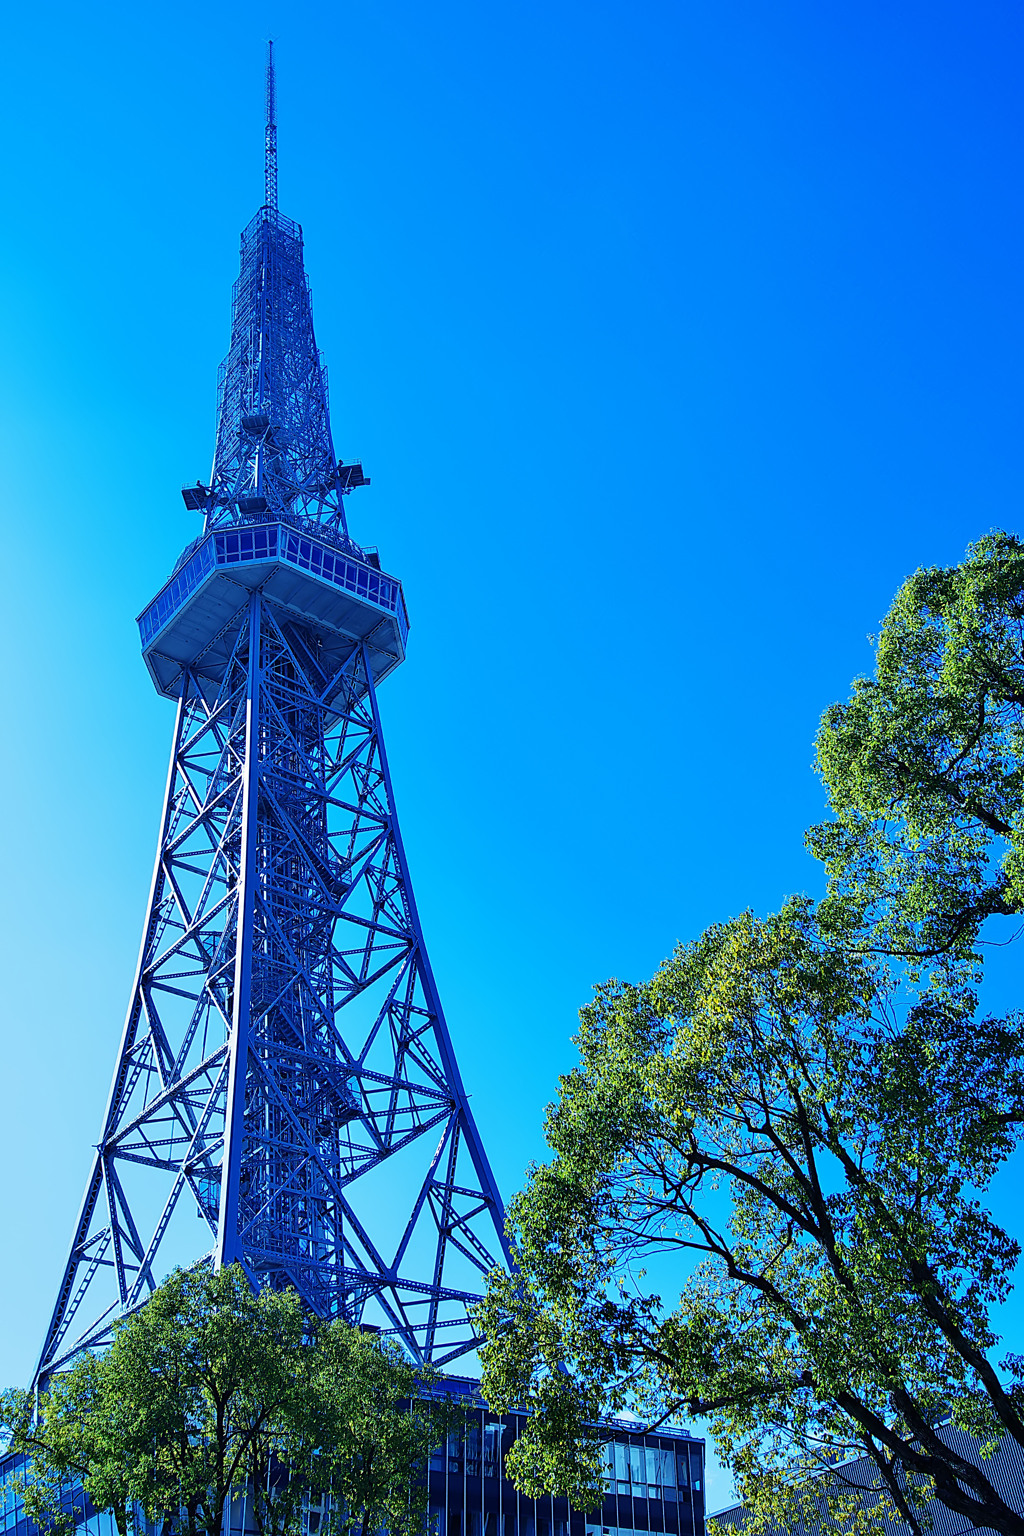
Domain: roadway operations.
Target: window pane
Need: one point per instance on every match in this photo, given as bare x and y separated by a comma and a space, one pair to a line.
661, 1467
695, 1469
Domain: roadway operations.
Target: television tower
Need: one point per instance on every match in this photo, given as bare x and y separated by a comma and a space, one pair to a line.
285, 1073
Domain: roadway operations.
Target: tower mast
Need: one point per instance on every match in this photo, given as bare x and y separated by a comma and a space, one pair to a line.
270, 141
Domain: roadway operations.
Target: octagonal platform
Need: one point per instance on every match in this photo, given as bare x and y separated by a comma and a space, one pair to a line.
192, 622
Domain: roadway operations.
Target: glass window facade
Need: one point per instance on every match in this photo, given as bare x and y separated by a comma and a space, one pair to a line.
653, 1486
331, 565
642, 1471
258, 543
177, 591
652, 1482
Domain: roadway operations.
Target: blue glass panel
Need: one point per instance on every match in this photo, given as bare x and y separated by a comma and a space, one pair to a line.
176, 591
332, 566
246, 544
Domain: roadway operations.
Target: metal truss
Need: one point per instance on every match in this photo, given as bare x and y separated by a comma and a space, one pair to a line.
286, 1072
274, 454
274, 451
274, 448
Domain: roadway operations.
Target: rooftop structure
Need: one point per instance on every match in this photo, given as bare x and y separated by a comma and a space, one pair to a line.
860, 1476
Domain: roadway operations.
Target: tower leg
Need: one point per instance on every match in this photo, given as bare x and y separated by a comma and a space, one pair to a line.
286, 1071
228, 1250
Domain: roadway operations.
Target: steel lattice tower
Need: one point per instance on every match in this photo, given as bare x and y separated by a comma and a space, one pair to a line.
285, 1073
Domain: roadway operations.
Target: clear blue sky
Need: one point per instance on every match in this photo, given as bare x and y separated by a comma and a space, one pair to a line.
673, 337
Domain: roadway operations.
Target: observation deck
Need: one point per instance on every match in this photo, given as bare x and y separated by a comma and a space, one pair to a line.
332, 588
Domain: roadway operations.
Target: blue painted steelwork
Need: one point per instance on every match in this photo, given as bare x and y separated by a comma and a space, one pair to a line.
285, 1073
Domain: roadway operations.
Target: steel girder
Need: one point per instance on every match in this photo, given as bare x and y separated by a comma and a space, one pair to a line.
285, 1072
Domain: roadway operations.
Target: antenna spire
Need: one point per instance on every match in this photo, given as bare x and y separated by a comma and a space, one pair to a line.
270, 168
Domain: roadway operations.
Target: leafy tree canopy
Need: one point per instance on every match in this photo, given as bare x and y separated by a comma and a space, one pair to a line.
211, 1391
791, 1130
925, 765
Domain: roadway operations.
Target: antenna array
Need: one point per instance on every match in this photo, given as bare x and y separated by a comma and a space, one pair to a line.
270, 192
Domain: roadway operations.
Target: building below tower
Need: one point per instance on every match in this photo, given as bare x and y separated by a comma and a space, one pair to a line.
654, 1483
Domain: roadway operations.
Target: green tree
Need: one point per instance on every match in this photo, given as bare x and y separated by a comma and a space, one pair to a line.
83, 1445
924, 766
789, 1127
211, 1391
370, 1423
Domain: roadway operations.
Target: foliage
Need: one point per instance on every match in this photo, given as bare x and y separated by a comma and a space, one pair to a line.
88, 1431
371, 1425
212, 1390
790, 1125
925, 764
